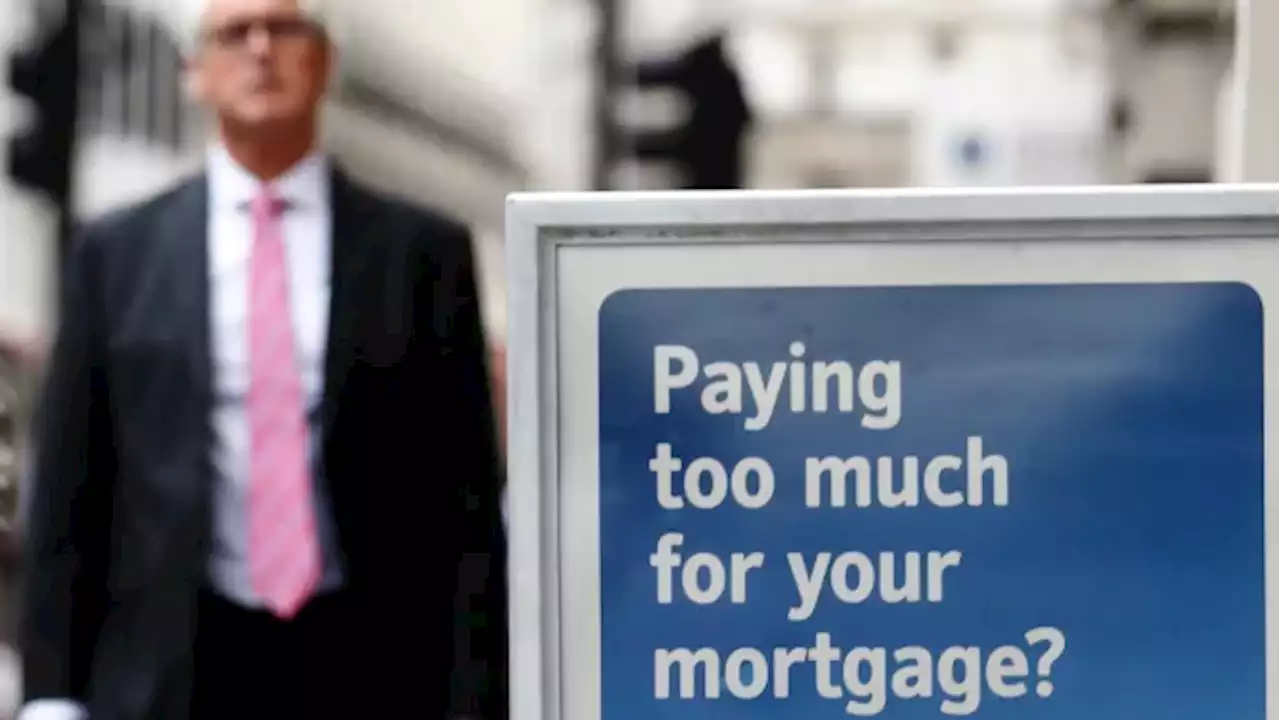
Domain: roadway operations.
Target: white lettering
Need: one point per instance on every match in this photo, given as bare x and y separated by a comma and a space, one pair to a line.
947, 481
756, 391
706, 483
866, 678
854, 577
703, 576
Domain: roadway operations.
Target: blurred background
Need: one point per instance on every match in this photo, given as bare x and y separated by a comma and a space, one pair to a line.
455, 103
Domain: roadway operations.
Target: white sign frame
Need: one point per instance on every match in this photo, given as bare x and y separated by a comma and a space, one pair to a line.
1241, 220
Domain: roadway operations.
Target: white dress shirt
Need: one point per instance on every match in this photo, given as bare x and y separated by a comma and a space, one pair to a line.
307, 236
307, 230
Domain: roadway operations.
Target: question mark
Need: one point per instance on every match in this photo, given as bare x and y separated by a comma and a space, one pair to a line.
1044, 666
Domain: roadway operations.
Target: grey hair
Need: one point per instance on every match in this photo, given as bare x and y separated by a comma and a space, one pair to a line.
185, 19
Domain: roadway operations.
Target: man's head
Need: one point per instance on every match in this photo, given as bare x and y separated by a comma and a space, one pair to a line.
258, 63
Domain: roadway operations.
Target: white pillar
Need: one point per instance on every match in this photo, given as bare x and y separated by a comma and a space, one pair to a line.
1257, 82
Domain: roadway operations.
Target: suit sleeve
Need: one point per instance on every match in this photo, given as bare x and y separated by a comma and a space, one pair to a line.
479, 680
67, 532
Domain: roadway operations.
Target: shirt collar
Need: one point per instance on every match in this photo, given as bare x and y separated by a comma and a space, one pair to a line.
305, 185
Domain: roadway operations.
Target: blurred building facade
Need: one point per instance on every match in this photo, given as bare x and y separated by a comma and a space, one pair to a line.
883, 92
978, 93
940, 92
1169, 62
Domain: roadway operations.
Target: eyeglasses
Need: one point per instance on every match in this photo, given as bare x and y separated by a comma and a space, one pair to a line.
236, 34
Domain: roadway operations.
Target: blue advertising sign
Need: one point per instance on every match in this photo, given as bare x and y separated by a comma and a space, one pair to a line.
1034, 502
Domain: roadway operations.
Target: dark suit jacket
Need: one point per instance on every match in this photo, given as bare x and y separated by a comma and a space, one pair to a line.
120, 521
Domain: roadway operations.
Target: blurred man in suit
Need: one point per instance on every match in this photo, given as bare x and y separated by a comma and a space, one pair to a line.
268, 478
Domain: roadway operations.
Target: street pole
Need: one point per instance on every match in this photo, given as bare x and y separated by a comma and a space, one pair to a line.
66, 206
608, 76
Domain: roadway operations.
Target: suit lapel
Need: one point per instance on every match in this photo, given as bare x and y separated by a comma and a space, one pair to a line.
350, 257
184, 233
187, 228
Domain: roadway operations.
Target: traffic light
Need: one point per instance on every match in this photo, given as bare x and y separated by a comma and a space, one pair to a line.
46, 72
706, 146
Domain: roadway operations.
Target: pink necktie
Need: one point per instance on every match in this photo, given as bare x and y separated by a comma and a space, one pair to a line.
284, 554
